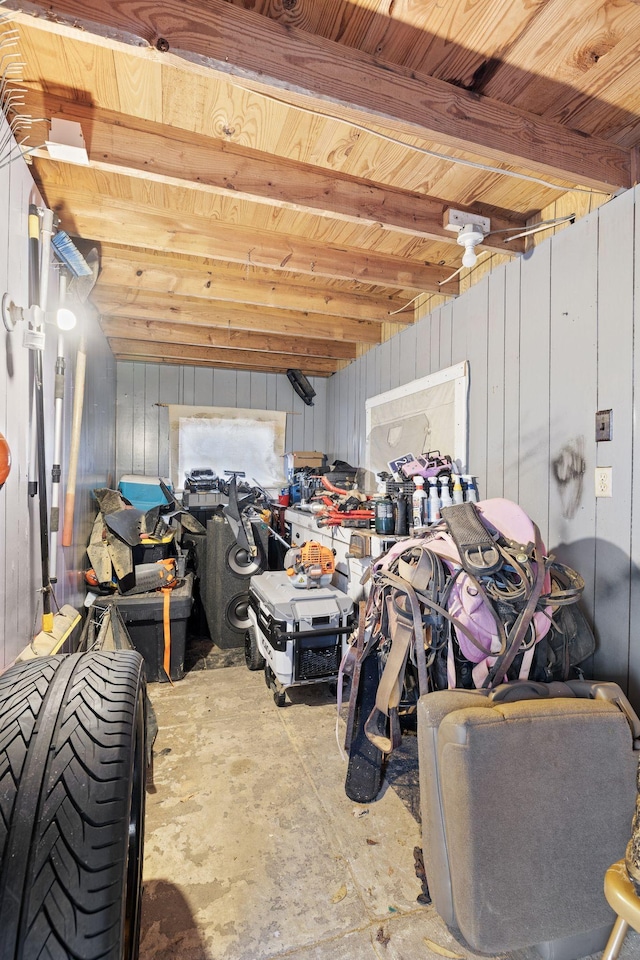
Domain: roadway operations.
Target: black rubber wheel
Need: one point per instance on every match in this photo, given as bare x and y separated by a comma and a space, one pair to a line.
279, 698
253, 657
365, 772
72, 797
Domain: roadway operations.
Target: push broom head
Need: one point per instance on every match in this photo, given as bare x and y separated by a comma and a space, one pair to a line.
68, 254
84, 272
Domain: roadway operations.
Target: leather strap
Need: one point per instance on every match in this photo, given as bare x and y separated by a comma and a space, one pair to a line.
519, 631
166, 625
354, 666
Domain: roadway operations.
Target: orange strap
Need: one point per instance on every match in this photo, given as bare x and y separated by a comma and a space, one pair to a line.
166, 623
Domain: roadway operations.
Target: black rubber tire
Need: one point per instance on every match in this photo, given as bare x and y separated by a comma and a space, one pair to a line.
280, 698
252, 656
365, 772
72, 797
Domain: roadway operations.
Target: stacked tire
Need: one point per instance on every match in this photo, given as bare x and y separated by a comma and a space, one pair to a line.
72, 797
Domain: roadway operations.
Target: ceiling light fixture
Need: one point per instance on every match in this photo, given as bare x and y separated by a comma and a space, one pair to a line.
470, 236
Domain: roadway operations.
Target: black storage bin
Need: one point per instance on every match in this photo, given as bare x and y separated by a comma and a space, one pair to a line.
143, 617
152, 551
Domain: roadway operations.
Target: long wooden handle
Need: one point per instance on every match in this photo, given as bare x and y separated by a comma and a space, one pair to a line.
76, 426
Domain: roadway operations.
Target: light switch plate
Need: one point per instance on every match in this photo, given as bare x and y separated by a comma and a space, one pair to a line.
604, 425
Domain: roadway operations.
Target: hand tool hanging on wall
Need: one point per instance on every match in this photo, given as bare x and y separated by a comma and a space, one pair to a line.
84, 274
56, 469
36, 342
46, 235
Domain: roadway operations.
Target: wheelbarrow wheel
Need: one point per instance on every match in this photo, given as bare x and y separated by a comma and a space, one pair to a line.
72, 792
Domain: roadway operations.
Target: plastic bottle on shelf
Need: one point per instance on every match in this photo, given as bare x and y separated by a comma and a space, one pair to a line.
472, 492
445, 493
433, 504
419, 503
458, 493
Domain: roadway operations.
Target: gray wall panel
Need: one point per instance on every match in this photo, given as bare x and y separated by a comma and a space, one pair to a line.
473, 346
20, 573
511, 474
632, 443
495, 384
144, 390
446, 336
614, 391
533, 408
573, 399
551, 338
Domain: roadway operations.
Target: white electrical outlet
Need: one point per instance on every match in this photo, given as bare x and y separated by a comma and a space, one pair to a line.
604, 480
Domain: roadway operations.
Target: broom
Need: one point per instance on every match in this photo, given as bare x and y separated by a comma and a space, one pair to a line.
84, 275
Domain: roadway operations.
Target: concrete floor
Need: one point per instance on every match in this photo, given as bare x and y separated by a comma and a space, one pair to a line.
253, 850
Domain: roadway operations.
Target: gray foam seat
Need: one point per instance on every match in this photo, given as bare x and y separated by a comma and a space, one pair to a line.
525, 804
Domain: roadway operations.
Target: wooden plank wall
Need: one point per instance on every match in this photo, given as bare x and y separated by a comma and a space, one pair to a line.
551, 338
20, 574
144, 390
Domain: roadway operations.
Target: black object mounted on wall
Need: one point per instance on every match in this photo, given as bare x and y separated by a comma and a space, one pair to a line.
301, 386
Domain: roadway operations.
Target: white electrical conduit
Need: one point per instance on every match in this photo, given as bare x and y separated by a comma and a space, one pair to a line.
56, 469
46, 232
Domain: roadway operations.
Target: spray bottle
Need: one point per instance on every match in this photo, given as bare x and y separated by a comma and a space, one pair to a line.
445, 493
433, 505
472, 493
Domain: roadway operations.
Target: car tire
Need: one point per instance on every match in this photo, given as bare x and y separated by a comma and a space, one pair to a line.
72, 798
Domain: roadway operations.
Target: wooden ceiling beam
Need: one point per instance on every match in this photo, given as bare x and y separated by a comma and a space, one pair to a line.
162, 331
324, 76
215, 364
116, 144
109, 220
155, 273
236, 359
217, 314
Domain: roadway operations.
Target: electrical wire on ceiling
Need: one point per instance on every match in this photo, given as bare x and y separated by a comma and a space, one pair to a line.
392, 313
476, 164
536, 228
481, 256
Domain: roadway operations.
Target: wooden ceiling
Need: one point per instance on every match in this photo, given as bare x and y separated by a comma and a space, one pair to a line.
268, 178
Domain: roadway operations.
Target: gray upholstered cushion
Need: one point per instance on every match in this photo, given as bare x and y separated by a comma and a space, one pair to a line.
524, 805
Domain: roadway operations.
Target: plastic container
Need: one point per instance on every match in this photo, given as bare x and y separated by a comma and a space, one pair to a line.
143, 492
143, 617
